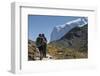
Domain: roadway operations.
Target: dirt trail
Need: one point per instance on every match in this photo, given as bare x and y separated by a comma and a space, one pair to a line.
48, 57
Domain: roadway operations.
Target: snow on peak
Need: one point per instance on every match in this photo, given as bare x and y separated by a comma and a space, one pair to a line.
60, 30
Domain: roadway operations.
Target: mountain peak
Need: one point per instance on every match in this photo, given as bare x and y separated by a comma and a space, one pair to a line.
60, 30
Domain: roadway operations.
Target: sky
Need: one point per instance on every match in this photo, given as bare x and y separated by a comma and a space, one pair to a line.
45, 24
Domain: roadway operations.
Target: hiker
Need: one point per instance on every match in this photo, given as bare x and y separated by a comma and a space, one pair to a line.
39, 42
44, 45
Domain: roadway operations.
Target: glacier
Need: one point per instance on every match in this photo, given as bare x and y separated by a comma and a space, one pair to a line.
60, 30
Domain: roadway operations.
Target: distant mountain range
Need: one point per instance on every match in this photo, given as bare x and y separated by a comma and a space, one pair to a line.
76, 37
74, 44
60, 30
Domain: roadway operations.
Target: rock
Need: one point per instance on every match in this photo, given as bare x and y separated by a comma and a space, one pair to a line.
33, 52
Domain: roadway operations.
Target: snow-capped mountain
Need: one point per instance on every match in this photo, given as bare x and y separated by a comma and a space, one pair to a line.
60, 30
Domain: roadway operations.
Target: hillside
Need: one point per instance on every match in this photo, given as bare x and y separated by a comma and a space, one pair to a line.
33, 53
71, 45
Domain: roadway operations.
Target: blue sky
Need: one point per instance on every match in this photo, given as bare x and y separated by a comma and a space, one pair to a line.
45, 24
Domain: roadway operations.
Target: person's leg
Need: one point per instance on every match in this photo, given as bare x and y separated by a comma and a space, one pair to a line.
43, 51
44, 48
40, 55
40, 50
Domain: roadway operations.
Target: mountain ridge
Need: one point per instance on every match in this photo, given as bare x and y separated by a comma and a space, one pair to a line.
73, 44
61, 30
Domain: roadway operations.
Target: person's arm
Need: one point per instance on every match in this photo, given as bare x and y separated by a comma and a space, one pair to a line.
45, 39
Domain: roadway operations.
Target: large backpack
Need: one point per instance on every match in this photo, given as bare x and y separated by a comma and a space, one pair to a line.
39, 41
